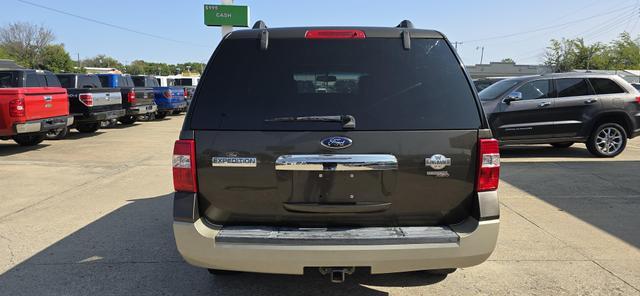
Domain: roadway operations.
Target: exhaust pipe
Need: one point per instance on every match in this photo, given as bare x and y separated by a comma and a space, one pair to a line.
337, 274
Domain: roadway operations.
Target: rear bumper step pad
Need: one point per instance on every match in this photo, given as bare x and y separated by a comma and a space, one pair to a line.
336, 236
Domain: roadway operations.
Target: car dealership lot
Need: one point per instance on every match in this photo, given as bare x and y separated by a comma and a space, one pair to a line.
91, 214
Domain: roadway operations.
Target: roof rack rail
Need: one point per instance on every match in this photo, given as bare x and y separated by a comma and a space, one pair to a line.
259, 25
405, 24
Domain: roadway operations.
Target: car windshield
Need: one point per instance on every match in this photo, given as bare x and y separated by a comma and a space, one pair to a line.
497, 89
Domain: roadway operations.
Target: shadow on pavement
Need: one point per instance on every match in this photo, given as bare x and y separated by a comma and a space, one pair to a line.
605, 194
11, 148
75, 135
131, 251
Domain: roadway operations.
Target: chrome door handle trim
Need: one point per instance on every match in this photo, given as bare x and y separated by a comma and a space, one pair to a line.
590, 101
544, 104
336, 162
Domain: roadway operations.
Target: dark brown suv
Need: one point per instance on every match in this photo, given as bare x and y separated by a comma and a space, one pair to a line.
335, 148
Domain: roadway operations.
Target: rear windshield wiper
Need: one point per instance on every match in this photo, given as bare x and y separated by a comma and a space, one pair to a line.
348, 121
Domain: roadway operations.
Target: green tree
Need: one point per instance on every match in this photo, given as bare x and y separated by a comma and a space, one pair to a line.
559, 55
101, 61
625, 53
25, 42
4, 54
508, 60
56, 59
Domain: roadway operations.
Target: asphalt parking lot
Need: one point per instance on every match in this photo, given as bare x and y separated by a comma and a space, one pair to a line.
91, 215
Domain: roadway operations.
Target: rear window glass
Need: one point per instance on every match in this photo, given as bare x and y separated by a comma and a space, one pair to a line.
89, 81
104, 80
138, 81
572, 87
52, 80
604, 86
8, 79
375, 80
183, 82
67, 81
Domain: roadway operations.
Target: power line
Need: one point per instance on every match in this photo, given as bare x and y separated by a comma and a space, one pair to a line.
549, 27
109, 24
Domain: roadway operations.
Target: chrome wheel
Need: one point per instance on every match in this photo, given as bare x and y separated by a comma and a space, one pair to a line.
609, 140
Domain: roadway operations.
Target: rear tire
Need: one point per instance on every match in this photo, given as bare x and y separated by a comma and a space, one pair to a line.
29, 139
608, 140
57, 134
562, 145
161, 115
444, 271
88, 127
129, 119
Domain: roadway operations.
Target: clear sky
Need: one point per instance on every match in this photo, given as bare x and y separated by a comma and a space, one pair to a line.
516, 29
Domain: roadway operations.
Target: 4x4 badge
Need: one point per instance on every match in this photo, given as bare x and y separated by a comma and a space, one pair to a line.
437, 161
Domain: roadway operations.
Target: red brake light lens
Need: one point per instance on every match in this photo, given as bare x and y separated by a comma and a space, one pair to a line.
184, 166
488, 165
185, 93
86, 99
166, 94
638, 100
335, 34
131, 97
16, 108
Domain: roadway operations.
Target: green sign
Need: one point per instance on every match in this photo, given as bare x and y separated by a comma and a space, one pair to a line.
226, 15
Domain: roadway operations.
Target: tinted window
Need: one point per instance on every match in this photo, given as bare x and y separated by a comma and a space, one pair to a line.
383, 86
604, 86
128, 80
35, 80
138, 80
89, 81
8, 79
152, 82
104, 80
572, 87
535, 90
183, 82
67, 81
497, 89
636, 85
52, 80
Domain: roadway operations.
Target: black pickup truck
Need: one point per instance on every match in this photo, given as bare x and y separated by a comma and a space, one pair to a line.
135, 100
89, 102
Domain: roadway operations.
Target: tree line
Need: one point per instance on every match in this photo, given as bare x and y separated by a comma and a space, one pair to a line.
33, 46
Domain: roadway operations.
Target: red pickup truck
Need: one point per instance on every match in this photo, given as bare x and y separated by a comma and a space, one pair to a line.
31, 104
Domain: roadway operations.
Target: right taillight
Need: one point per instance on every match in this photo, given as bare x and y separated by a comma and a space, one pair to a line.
638, 100
16, 108
167, 94
131, 97
488, 165
86, 99
184, 166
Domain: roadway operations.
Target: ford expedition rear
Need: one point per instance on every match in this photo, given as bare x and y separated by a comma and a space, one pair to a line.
335, 148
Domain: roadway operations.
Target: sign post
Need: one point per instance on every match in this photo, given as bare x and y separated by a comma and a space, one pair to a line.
226, 16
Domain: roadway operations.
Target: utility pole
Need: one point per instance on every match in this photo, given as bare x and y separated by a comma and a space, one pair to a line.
226, 29
455, 44
79, 66
481, 54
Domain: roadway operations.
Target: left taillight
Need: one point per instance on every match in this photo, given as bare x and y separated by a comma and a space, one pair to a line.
167, 94
131, 97
184, 166
186, 93
16, 108
488, 165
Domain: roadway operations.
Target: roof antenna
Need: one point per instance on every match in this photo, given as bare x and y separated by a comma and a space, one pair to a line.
259, 25
405, 24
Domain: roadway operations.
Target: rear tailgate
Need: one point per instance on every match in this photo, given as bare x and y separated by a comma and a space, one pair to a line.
45, 102
144, 96
410, 159
410, 194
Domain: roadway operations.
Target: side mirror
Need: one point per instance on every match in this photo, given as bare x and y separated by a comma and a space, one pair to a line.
514, 96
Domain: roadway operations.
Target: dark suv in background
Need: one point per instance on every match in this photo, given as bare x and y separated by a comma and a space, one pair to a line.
602, 111
334, 148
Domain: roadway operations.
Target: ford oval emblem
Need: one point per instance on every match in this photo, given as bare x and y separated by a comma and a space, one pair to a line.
337, 142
